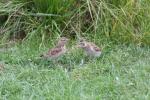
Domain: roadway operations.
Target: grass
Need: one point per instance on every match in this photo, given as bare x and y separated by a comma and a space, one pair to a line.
122, 72
121, 21
120, 28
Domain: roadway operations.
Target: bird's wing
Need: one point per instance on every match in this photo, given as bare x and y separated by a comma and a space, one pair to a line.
54, 51
94, 47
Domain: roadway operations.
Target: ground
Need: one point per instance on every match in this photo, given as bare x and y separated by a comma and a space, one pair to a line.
121, 73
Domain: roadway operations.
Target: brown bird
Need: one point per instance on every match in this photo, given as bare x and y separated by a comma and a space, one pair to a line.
57, 51
90, 48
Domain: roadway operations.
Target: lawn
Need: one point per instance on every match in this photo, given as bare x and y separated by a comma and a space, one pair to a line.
121, 73
121, 28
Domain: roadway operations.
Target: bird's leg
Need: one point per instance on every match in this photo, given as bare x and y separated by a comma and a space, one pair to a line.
94, 58
82, 62
55, 62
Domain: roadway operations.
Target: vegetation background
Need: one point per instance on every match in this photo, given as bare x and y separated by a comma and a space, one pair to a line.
30, 27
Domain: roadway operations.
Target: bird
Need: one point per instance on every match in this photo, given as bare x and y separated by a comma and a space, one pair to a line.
90, 48
58, 50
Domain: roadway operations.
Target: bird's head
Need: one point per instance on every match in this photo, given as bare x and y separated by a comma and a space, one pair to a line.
82, 44
62, 41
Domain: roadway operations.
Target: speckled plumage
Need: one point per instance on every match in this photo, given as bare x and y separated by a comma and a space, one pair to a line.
90, 48
58, 50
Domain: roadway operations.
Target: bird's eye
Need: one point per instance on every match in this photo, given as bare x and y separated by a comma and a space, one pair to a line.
82, 44
63, 40
81, 40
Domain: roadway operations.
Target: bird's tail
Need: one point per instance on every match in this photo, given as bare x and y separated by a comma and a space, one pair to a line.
42, 55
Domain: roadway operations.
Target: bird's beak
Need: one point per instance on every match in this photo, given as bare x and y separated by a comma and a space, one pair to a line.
77, 46
67, 40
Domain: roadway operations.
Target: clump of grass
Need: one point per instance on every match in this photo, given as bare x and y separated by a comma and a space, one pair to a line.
53, 6
119, 21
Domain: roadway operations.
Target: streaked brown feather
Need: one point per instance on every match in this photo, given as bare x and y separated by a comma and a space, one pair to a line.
94, 46
58, 50
54, 51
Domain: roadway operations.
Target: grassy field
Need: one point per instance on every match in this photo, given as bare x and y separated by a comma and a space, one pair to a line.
122, 72
30, 27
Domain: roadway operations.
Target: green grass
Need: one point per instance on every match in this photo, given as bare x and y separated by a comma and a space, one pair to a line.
120, 21
122, 72
120, 27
